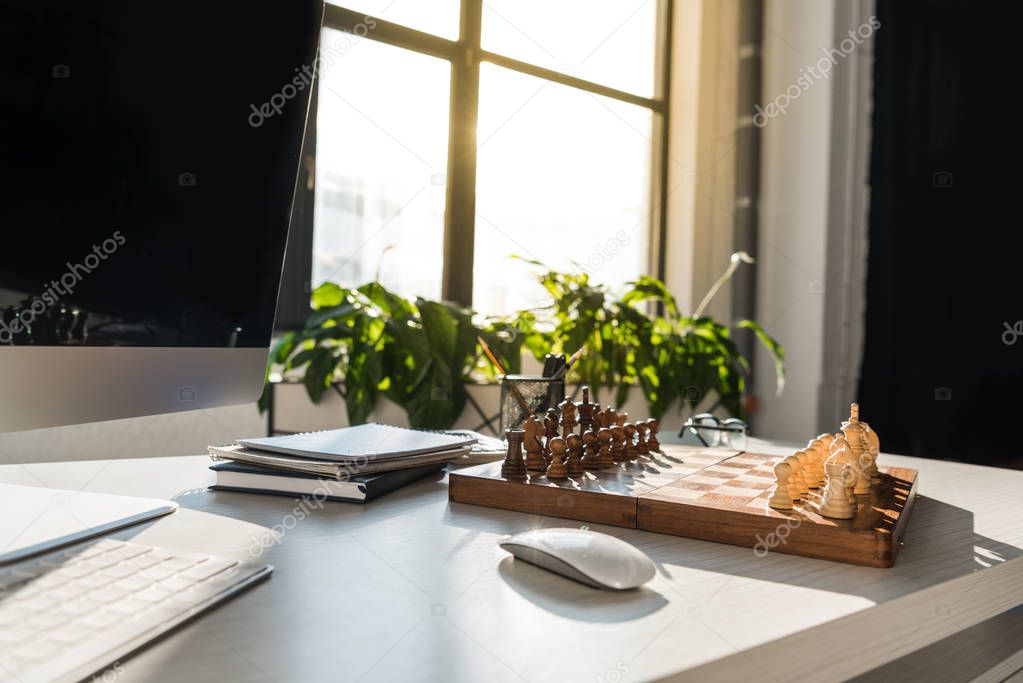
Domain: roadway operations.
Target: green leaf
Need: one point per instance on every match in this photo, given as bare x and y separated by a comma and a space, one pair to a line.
319, 373
775, 349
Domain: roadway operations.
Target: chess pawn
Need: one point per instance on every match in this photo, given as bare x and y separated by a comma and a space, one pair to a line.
780, 499
535, 461
630, 446
574, 463
617, 443
795, 490
805, 476
557, 470
835, 503
641, 444
604, 452
591, 451
550, 425
651, 441
568, 418
513, 465
857, 445
816, 451
621, 417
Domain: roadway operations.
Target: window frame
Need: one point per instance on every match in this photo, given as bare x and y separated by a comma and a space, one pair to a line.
465, 56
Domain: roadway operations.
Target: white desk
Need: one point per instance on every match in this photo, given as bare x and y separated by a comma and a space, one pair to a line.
410, 587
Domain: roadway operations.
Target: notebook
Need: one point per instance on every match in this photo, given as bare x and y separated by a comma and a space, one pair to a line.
368, 442
233, 476
327, 468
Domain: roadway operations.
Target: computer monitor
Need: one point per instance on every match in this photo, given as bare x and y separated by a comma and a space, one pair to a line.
148, 161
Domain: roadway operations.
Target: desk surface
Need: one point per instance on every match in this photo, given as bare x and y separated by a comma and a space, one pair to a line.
412, 587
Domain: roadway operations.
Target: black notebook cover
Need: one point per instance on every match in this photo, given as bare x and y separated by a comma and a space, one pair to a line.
364, 487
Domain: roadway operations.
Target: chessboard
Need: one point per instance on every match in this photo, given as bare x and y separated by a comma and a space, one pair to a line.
709, 494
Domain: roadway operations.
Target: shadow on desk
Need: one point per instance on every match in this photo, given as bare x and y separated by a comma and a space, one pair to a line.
573, 600
940, 545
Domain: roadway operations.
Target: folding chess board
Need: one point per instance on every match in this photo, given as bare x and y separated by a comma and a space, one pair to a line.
709, 494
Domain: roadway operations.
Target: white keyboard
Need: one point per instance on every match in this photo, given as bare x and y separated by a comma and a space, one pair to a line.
76, 612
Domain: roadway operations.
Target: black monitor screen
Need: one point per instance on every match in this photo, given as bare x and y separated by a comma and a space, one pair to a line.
148, 157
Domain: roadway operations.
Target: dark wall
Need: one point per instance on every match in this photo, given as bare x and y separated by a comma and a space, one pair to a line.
944, 270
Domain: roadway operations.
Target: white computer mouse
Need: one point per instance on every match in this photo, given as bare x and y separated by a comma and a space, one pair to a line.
589, 557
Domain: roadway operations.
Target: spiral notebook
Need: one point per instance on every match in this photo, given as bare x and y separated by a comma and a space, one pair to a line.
369, 442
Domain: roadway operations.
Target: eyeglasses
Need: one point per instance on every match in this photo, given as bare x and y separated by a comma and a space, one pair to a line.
712, 432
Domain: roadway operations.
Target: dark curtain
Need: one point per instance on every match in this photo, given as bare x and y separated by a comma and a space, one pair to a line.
941, 376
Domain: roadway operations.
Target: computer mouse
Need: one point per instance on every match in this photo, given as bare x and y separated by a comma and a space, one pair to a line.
589, 557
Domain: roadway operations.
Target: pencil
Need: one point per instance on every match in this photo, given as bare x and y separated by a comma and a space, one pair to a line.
500, 368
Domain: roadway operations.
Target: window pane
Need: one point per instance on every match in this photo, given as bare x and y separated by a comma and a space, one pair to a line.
439, 17
379, 171
611, 42
563, 178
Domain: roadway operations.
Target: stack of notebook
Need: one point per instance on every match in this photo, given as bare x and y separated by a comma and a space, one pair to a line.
353, 464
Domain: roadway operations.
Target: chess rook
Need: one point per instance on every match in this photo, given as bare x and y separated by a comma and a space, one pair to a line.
513, 465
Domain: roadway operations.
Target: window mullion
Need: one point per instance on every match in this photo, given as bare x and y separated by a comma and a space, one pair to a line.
460, 208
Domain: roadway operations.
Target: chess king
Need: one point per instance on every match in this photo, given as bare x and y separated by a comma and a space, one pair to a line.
859, 448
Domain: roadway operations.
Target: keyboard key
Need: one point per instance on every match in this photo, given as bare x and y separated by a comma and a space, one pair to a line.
208, 568
135, 582
101, 619
119, 571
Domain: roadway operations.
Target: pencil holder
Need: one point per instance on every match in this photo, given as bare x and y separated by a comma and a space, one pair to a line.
536, 392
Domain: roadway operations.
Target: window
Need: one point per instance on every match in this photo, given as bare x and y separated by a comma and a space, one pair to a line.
448, 135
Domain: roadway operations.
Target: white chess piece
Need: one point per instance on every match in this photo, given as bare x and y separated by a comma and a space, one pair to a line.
841, 453
858, 447
835, 503
780, 499
814, 449
874, 448
795, 491
803, 474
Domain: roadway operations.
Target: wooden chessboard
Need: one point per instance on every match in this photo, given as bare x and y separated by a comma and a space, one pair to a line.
710, 494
